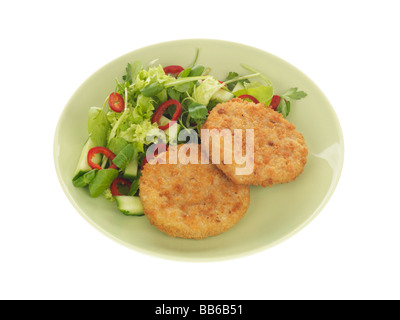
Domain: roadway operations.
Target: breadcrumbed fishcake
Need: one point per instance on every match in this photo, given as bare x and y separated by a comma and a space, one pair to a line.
280, 151
191, 201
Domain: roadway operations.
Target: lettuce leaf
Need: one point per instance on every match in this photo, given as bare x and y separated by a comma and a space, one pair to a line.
98, 126
124, 156
102, 181
142, 134
294, 94
146, 77
143, 110
117, 144
84, 179
107, 194
284, 108
198, 112
259, 91
203, 93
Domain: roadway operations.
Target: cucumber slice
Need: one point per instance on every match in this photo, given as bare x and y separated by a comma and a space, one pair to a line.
131, 169
129, 205
82, 166
222, 95
238, 87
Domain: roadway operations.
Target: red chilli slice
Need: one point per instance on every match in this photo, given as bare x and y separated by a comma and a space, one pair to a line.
107, 153
276, 100
116, 102
175, 70
161, 109
116, 182
247, 96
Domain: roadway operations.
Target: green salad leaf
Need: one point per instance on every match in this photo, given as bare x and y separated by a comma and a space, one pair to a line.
153, 75
285, 102
262, 93
174, 94
102, 181
189, 72
185, 73
135, 185
197, 71
259, 91
198, 111
143, 110
124, 156
107, 194
162, 96
117, 144
141, 134
98, 126
136, 67
203, 93
184, 87
294, 94
128, 73
152, 89
283, 107
121, 124
84, 179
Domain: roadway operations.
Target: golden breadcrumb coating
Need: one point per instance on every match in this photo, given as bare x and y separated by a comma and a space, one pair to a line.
191, 201
280, 151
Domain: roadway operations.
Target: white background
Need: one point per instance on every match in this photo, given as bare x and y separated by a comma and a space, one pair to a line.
349, 48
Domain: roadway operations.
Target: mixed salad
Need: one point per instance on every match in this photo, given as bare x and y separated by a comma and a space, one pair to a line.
152, 100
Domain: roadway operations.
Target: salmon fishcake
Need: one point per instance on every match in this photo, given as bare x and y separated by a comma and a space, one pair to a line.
280, 151
191, 201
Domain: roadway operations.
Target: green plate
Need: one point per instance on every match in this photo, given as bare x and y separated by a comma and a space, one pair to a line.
275, 213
